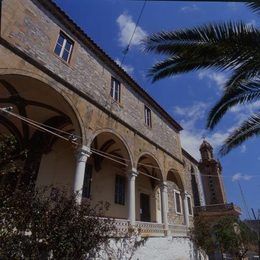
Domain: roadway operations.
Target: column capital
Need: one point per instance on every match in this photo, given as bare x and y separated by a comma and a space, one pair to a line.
186, 193
164, 185
83, 153
133, 172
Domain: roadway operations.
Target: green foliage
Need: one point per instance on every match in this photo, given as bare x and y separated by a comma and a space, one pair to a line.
227, 234
231, 46
45, 223
201, 235
11, 155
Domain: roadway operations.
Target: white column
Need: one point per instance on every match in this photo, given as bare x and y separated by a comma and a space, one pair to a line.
131, 195
83, 153
186, 209
164, 204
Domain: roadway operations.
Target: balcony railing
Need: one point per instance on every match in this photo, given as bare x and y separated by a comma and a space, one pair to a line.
122, 226
150, 229
218, 208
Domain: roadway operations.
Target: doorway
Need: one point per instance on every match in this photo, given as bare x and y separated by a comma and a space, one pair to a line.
145, 207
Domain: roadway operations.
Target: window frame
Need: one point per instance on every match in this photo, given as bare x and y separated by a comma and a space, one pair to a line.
189, 202
147, 116
115, 90
120, 191
87, 182
63, 46
175, 202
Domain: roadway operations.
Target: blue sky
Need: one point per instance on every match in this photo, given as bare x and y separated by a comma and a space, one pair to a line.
187, 97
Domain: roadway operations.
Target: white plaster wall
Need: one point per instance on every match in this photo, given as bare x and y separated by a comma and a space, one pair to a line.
168, 248
57, 167
103, 189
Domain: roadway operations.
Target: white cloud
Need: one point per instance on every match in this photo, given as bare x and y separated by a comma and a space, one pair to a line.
126, 27
218, 78
249, 108
190, 8
128, 68
191, 111
192, 139
233, 6
243, 148
243, 112
251, 23
239, 176
191, 136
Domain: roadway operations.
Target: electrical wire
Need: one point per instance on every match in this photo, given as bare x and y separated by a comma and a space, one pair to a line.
44, 127
125, 52
244, 200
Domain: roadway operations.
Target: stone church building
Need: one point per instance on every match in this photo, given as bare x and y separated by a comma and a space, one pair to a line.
91, 127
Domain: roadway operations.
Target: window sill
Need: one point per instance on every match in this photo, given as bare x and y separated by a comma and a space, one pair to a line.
148, 127
67, 63
118, 204
113, 101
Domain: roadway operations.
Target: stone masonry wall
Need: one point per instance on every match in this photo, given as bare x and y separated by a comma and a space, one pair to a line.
173, 217
33, 30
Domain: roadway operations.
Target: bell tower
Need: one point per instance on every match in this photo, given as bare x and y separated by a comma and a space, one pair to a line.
211, 172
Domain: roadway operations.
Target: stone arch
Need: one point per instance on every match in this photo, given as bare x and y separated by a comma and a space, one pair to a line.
154, 159
148, 183
175, 176
38, 98
52, 84
176, 193
108, 167
118, 136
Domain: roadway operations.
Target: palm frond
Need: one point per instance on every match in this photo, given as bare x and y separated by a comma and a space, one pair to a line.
219, 46
248, 128
209, 34
246, 72
245, 93
174, 65
254, 5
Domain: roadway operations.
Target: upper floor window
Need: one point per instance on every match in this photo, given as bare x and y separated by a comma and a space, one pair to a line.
147, 116
178, 207
189, 205
115, 89
120, 190
64, 47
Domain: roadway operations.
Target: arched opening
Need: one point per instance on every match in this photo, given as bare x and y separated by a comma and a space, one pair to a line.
50, 158
106, 174
175, 198
148, 195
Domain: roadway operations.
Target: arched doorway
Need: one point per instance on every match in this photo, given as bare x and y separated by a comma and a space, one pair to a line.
36, 106
175, 198
148, 195
106, 173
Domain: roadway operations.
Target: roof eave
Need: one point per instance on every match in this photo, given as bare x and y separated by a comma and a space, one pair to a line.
101, 54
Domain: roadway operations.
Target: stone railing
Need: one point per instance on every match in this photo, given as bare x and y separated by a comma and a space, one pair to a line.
217, 207
122, 226
178, 230
150, 229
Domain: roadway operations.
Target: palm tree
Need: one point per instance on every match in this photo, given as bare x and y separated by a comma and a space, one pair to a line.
232, 46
